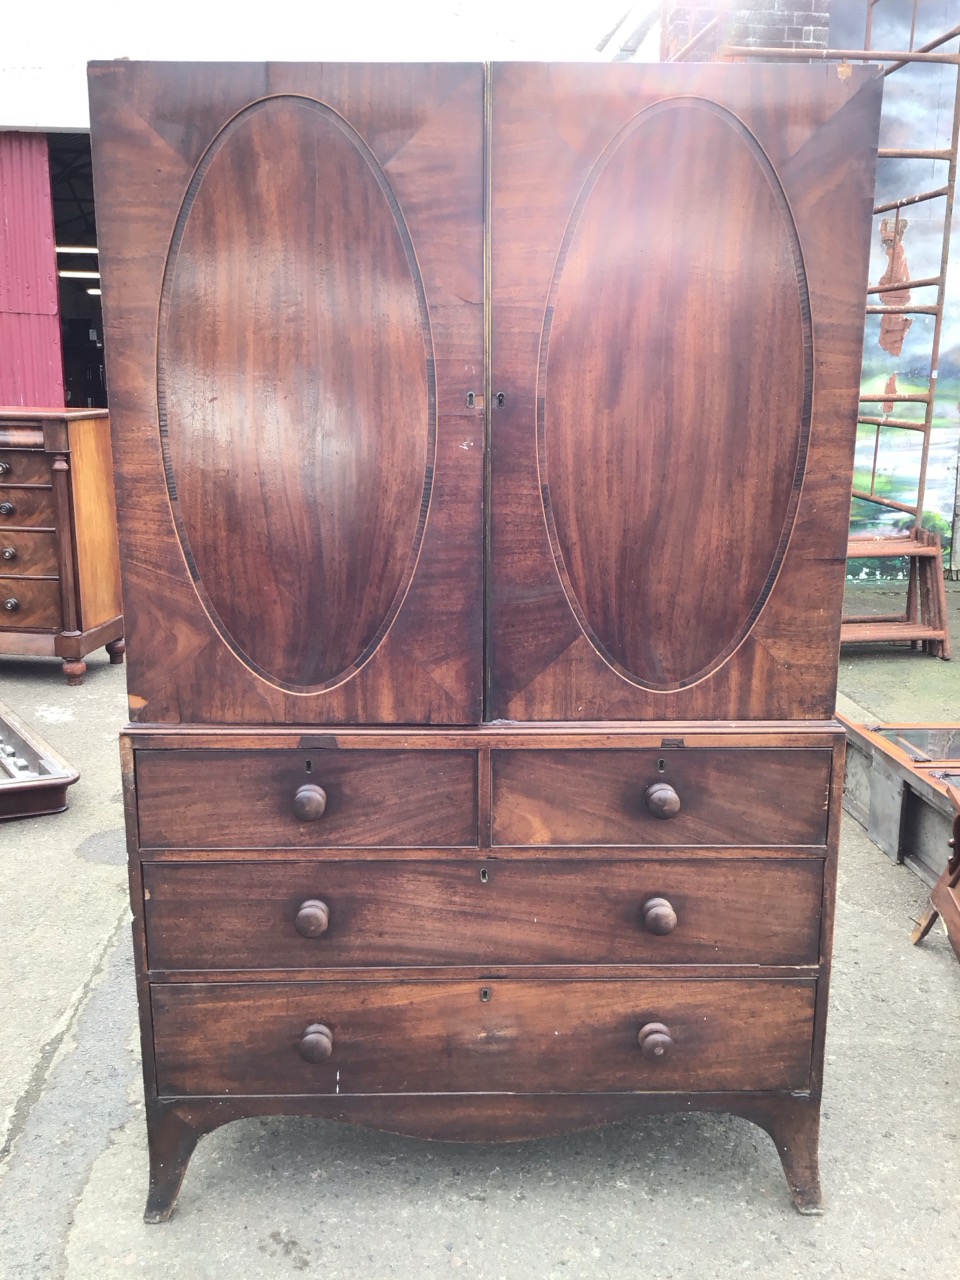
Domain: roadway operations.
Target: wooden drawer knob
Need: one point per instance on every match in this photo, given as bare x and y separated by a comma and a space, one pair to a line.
659, 916
9, 553
11, 604
310, 802
316, 1044
7, 509
656, 1043
4, 468
312, 918
662, 800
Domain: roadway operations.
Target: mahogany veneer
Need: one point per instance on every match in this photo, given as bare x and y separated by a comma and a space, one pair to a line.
485, 446
59, 565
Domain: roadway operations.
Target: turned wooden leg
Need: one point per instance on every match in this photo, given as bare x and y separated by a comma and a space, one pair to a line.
794, 1125
116, 650
74, 670
171, 1140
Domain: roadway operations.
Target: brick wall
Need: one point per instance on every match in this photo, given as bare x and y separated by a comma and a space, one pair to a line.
787, 24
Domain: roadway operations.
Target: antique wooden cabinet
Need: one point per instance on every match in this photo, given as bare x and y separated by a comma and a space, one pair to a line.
485, 439
59, 566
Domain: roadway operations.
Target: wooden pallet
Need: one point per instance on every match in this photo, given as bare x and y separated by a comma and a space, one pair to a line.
923, 624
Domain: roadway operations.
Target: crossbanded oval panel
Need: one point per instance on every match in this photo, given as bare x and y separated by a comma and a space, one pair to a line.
296, 392
675, 390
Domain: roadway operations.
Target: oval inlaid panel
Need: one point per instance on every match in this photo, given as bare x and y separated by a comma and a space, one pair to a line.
675, 393
296, 392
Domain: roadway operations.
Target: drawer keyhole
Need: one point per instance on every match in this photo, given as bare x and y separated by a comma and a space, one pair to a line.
485, 994
484, 875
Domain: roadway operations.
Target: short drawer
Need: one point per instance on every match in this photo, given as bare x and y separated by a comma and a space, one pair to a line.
24, 466
303, 915
720, 796
32, 553
26, 508
492, 1036
28, 603
245, 799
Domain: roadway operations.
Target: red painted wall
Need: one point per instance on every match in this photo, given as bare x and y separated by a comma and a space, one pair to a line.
31, 363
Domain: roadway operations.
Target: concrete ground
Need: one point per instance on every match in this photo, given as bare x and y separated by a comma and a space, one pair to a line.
681, 1196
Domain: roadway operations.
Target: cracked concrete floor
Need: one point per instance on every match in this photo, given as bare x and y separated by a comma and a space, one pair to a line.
678, 1196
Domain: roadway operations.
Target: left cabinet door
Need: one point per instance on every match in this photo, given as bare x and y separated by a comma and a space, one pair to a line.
292, 261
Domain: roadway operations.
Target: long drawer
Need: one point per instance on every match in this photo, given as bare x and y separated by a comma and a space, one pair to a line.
301, 915
674, 796
246, 799
497, 1036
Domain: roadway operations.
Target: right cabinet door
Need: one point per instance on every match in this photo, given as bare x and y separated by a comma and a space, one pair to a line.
679, 259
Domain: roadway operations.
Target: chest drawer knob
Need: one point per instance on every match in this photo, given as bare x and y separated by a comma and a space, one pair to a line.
9, 553
312, 918
7, 509
662, 800
310, 802
317, 1043
656, 1043
4, 468
659, 916
11, 604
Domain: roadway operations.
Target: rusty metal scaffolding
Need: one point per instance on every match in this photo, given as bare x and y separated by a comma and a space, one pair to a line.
923, 620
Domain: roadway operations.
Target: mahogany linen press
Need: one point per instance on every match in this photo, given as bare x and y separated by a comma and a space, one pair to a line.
483, 440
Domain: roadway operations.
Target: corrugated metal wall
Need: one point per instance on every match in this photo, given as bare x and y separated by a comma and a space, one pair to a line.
31, 364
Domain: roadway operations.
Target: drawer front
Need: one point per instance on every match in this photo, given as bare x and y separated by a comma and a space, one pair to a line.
29, 603
26, 508
244, 799
262, 915
24, 466
28, 552
726, 796
495, 1036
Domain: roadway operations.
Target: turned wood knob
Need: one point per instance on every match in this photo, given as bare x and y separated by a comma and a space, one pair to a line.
316, 1044
11, 604
662, 800
310, 802
312, 918
7, 508
9, 553
659, 916
656, 1043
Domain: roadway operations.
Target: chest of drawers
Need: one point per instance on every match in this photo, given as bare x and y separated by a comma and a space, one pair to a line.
59, 564
483, 584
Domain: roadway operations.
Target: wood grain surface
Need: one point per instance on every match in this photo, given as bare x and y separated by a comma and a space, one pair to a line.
329, 489
492, 1036
244, 799
599, 797
661, 516
243, 916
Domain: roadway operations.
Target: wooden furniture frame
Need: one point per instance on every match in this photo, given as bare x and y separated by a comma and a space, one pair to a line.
482, 779
59, 563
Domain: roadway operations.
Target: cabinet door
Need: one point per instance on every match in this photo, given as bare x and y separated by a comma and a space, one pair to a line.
679, 265
293, 293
